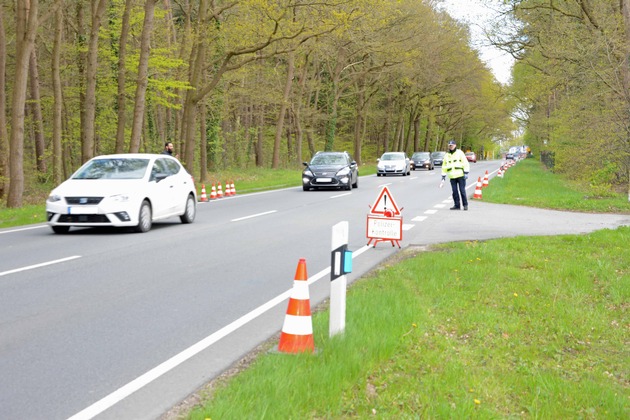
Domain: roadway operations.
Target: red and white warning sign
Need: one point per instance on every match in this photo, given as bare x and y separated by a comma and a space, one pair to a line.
384, 222
385, 204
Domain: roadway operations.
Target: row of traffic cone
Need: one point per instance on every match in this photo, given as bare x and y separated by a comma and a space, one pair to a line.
217, 191
481, 184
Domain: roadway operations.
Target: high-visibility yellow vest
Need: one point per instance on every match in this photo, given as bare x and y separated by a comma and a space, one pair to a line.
455, 164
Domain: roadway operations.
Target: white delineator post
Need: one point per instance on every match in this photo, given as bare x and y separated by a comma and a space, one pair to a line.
338, 281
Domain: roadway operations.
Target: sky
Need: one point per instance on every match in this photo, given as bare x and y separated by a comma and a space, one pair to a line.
476, 14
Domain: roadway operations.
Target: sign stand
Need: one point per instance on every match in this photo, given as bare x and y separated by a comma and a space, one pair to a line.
384, 223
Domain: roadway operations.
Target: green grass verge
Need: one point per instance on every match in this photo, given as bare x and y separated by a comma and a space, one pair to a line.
509, 328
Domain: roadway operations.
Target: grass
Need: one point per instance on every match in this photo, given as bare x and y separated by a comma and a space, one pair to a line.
508, 328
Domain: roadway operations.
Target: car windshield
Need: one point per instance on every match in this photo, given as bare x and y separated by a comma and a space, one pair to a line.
328, 160
438, 154
113, 168
393, 156
421, 155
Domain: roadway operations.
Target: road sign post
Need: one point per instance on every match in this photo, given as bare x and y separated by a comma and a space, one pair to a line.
340, 265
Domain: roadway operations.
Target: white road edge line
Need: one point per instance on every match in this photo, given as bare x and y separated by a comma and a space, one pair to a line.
27, 228
30, 267
253, 215
143, 380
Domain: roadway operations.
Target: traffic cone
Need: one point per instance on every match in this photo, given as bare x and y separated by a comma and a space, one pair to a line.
500, 173
233, 189
297, 330
228, 190
219, 191
203, 193
485, 180
478, 189
213, 193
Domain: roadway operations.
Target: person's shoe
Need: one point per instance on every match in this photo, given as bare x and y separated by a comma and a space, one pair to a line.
454, 208
465, 207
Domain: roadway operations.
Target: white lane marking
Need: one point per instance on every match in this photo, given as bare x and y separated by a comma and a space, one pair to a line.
447, 201
407, 226
340, 195
440, 206
430, 211
30, 267
143, 380
26, 228
419, 218
253, 215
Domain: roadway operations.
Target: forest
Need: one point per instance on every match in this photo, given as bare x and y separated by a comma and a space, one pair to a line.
267, 83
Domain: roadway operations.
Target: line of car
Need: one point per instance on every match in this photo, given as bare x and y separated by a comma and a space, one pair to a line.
135, 190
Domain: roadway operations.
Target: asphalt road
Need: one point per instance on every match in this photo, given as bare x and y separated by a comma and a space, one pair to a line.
113, 325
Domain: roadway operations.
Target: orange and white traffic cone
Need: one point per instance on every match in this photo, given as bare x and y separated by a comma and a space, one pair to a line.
500, 173
233, 189
297, 330
478, 189
228, 190
219, 191
204, 197
485, 180
213, 193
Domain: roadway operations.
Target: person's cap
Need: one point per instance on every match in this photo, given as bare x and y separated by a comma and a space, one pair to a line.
451, 142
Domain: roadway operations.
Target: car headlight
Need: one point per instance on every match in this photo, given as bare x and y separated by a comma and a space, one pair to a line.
120, 198
307, 173
53, 198
344, 171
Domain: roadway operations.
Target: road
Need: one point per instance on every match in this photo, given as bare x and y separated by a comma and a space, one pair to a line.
113, 325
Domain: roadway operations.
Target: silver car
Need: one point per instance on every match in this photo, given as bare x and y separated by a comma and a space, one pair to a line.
393, 163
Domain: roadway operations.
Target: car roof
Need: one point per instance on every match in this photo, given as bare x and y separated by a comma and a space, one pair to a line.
131, 156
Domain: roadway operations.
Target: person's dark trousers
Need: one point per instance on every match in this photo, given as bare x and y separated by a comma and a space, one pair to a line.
458, 185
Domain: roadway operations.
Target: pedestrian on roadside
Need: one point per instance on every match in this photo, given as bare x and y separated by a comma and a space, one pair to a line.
168, 149
456, 166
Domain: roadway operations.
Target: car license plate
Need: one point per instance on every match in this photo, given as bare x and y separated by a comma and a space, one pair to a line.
324, 179
83, 210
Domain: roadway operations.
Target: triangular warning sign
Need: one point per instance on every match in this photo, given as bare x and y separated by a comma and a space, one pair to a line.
385, 201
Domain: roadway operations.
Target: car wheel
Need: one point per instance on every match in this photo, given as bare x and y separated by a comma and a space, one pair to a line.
144, 217
190, 211
305, 188
61, 229
356, 183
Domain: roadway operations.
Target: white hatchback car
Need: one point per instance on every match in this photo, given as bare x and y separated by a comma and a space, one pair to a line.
393, 163
131, 190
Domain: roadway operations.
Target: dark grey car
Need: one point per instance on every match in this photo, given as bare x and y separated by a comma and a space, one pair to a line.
422, 160
438, 158
330, 170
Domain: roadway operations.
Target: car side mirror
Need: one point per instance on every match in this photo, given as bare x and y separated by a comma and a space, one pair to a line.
160, 177
305, 163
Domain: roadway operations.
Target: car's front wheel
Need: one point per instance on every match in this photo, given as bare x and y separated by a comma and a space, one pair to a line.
190, 211
144, 217
356, 183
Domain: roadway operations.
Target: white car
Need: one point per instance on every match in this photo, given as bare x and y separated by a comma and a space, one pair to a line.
393, 163
124, 190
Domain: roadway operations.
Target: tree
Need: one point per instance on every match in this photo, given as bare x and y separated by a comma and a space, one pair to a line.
26, 29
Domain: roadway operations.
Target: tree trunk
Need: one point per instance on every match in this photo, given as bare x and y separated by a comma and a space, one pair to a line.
26, 30
143, 66
89, 124
57, 96
203, 145
4, 134
36, 109
283, 109
122, 61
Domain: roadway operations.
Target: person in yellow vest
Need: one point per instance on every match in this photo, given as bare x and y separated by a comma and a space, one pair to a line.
456, 166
